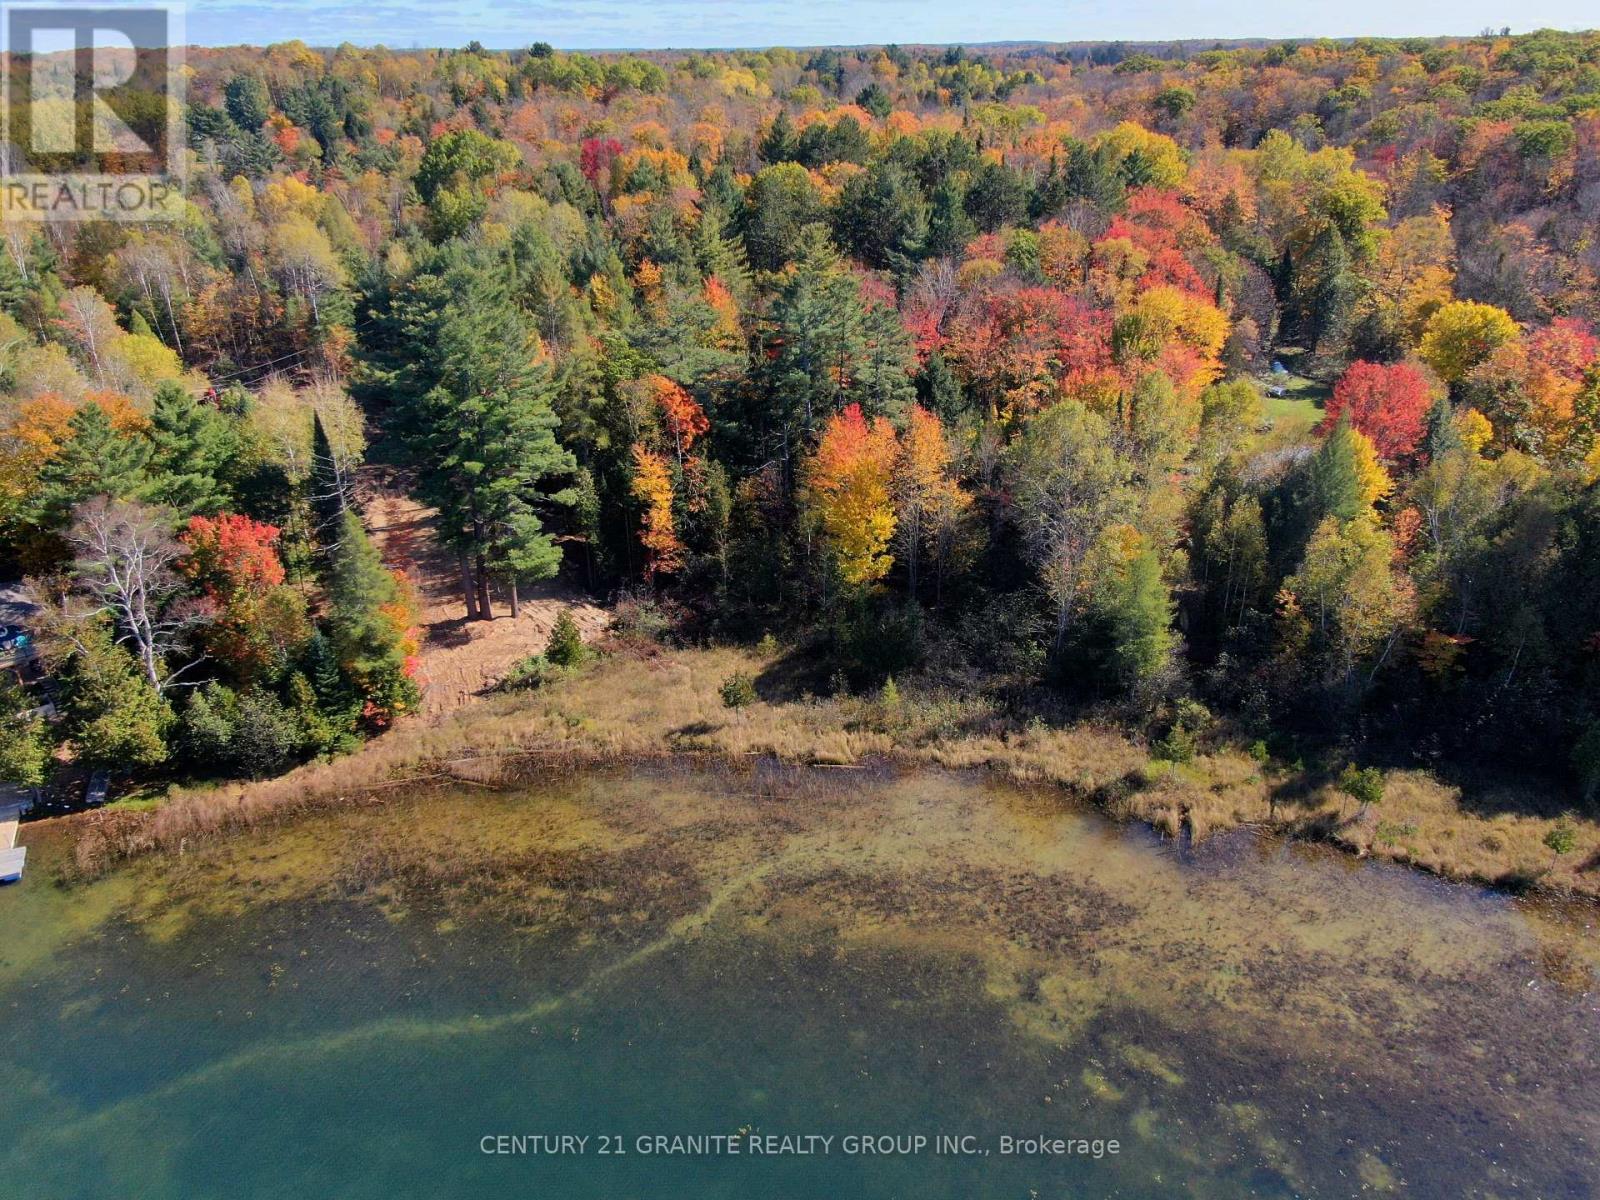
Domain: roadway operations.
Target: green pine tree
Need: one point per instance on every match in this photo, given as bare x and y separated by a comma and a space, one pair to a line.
1336, 475
717, 252
485, 440
1442, 437
1140, 609
95, 461
949, 227
364, 637
322, 670
1332, 303
112, 717
191, 444
778, 144
939, 390
1092, 176
565, 647
332, 484
25, 744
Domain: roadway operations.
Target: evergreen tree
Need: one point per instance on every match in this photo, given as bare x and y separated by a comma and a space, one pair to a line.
780, 202
1050, 194
778, 144
332, 482
247, 102
565, 647
1442, 436
1140, 610
95, 461
210, 719
949, 227
875, 100
1091, 176
485, 440
322, 671
718, 253
881, 217
112, 715
190, 447
828, 348
367, 639
997, 196
1331, 314
1336, 475
939, 390
25, 744
721, 190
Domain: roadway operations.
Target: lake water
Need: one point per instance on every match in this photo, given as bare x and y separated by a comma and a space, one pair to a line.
360, 1003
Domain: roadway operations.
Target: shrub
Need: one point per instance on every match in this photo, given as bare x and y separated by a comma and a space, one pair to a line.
871, 639
889, 694
209, 720
640, 617
266, 740
565, 647
1363, 783
1178, 746
325, 727
1194, 716
1391, 833
110, 713
225, 733
529, 673
738, 690
1562, 838
25, 746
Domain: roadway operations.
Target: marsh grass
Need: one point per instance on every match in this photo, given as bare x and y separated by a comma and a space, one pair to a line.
641, 702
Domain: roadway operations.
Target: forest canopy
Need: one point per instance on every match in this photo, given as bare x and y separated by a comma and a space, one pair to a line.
1260, 376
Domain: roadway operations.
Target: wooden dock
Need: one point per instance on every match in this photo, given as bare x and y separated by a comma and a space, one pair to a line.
12, 856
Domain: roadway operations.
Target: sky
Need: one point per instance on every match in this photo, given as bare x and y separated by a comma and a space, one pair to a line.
603, 24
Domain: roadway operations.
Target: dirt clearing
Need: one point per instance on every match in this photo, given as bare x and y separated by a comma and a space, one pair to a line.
462, 659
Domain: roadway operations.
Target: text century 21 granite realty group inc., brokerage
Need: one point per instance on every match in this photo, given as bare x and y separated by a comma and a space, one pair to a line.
794, 1145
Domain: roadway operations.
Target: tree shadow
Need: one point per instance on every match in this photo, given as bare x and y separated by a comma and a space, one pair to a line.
695, 729
795, 674
452, 633
1486, 792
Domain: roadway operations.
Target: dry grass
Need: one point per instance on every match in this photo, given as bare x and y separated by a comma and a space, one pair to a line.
649, 703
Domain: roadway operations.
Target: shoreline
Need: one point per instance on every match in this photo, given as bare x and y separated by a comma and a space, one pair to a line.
627, 710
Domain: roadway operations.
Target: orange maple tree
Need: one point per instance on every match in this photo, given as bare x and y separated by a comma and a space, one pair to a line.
652, 487
850, 479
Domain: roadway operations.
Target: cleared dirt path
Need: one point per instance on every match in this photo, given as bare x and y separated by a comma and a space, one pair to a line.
461, 659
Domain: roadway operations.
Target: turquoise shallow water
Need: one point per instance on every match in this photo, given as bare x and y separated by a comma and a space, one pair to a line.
313, 1013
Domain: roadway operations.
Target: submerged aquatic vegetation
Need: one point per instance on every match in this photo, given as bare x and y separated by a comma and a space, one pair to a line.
946, 935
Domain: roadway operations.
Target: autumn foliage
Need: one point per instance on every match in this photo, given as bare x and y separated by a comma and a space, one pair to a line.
850, 479
1387, 402
652, 488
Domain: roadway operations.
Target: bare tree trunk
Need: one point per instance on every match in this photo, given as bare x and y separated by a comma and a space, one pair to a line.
485, 608
516, 604
467, 593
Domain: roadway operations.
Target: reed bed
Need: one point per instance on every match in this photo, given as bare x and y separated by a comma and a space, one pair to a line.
648, 704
